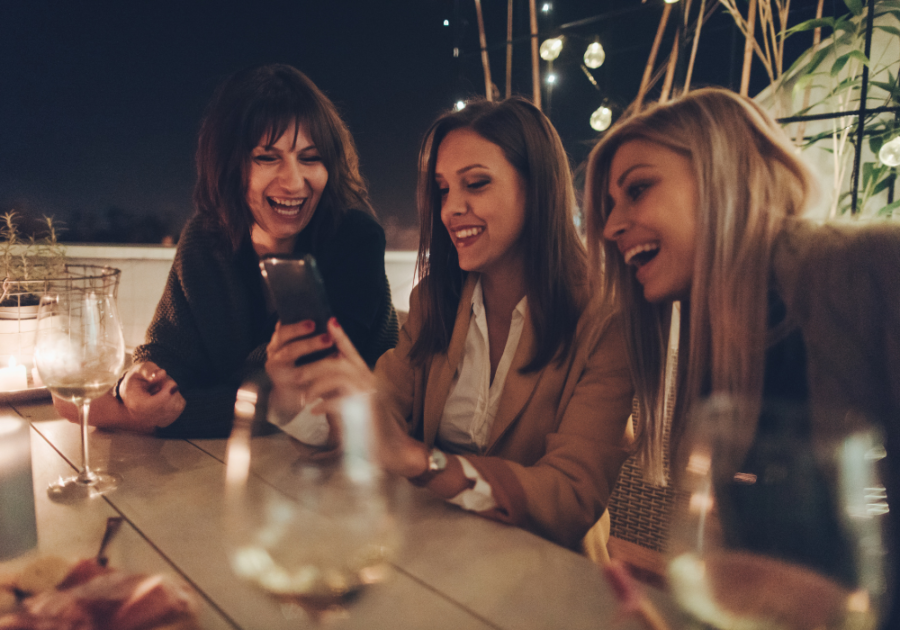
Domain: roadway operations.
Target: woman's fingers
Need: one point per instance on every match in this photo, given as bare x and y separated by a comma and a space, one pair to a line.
343, 343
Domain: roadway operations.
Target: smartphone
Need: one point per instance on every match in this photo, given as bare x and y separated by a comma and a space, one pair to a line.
299, 294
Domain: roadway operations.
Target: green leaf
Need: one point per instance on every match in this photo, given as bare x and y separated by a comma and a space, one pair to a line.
889, 3
882, 185
839, 63
888, 209
810, 25
817, 59
858, 54
893, 30
894, 12
855, 6
891, 88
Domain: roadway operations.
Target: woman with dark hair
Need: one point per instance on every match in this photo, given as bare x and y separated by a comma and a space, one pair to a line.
277, 173
509, 392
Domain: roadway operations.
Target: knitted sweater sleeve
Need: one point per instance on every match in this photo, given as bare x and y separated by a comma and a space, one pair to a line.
209, 332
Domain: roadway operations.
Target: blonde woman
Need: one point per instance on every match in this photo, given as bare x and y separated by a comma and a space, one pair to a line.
699, 200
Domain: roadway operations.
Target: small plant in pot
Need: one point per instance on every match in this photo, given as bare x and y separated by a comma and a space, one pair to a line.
25, 263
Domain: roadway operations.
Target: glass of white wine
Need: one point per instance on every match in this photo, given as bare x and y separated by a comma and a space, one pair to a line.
783, 526
313, 532
79, 353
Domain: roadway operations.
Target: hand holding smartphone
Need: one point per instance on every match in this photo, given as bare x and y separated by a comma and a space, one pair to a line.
299, 294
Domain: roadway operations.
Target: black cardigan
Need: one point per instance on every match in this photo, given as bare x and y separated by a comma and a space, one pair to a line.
211, 325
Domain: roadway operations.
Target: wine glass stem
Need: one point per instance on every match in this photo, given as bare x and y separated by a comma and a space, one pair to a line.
86, 475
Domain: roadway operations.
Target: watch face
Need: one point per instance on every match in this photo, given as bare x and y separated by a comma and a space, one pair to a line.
437, 461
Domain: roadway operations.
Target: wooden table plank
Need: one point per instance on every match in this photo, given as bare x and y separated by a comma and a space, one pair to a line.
173, 494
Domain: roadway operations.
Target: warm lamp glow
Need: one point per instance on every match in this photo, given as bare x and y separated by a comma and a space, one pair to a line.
551, 48
601, 118
890, 153
594, 56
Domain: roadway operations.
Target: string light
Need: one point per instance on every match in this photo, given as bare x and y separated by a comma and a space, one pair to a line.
670, 1
551, 78
594, 56
551, 48
446, 22
890, 153
601, 118
545, 8
460, 105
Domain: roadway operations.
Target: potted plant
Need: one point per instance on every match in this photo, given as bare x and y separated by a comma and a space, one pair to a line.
25, 262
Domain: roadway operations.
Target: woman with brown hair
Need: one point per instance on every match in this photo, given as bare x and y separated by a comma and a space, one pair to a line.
508, 393
277, 173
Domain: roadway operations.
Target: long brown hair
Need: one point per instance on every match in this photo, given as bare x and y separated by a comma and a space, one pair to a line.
264, 101
748, 181
555, 259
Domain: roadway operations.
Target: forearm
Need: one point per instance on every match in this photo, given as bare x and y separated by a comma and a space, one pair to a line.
106, 412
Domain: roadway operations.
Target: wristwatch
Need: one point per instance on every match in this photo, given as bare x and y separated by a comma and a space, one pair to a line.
437, 463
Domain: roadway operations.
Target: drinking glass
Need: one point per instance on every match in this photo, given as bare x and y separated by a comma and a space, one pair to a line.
781, 527
79, 353
313, 532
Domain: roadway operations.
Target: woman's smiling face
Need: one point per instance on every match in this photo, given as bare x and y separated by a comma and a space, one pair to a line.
482, 202
284, 186
653, 219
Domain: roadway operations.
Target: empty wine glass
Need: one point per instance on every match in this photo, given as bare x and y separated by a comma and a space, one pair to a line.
312, 532
80, 353
782, 527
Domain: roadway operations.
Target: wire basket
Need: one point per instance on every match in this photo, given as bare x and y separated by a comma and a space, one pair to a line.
19, 303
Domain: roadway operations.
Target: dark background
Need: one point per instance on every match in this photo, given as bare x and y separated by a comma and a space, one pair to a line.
100, 101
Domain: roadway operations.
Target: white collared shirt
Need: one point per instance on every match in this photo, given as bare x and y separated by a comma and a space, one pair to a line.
473, 399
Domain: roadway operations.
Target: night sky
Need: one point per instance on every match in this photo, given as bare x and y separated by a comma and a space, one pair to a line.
100, 102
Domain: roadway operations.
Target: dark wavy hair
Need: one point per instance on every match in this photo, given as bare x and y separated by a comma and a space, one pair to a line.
555, 259
258, 103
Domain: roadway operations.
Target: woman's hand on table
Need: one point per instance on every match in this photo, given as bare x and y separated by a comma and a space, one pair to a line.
151, 396
150, 399
332, 379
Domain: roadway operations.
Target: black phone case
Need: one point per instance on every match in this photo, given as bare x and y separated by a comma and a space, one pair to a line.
299, 294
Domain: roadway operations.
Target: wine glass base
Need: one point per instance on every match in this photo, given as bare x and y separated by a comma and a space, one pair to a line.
77, 488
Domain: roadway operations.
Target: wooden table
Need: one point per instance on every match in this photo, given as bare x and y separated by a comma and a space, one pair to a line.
455, 570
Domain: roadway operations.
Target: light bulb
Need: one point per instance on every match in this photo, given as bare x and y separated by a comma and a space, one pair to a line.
551, 48
460, 105
545, 7
670, 1
594, 56
446, 22
890, 152
601, 119
551, 78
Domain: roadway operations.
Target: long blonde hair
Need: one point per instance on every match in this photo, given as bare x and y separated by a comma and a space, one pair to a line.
748, 181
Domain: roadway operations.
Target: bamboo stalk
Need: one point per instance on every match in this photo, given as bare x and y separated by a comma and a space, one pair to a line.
690, 69
509, 47
488, 86
817, 39
748, 49
651, 61
535, 67
670, 70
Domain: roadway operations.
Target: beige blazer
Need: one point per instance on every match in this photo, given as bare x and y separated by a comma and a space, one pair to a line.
559, 436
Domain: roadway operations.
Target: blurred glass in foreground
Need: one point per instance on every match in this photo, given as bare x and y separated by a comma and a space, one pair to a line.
309, 529
783, 530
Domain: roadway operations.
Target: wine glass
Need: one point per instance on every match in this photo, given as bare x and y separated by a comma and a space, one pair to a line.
79, 353
781, 526
312, 532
